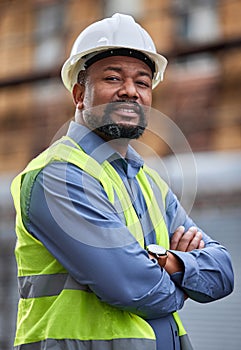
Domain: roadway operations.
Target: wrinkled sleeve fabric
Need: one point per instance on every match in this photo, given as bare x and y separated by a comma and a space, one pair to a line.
71, 215
208, 273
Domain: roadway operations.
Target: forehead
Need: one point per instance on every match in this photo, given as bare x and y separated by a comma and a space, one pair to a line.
124, 63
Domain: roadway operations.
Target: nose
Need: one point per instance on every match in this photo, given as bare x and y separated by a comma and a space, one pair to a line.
128, 89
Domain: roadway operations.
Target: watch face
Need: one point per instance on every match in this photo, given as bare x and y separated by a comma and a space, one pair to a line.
156, 249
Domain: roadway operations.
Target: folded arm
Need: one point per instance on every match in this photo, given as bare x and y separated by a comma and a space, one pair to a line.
72, 216
207, 273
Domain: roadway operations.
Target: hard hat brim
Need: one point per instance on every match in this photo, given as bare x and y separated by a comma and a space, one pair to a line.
75, 63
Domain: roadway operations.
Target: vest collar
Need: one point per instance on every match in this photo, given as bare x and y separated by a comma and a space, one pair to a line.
98, 149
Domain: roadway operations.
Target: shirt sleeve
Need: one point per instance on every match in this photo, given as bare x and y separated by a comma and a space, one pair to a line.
71, 215
208, 273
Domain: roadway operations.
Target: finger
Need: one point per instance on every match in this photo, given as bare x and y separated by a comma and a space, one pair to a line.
195, 242
201, 244
186, 240
176, 237
193, 229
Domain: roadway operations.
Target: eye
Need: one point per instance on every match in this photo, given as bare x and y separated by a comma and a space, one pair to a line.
112, 78
143, 83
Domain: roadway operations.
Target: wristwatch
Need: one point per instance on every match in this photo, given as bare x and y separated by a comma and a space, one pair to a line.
159, 253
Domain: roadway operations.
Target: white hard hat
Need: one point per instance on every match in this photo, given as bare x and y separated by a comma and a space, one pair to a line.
117, 32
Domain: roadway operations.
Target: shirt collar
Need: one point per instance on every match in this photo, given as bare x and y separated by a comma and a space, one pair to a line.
100, 150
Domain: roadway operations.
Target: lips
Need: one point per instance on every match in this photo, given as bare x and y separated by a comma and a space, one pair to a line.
126, 110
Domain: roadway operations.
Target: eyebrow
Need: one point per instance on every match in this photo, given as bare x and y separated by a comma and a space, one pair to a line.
119, 70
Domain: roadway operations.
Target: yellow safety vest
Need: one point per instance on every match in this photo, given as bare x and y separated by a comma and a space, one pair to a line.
53, 305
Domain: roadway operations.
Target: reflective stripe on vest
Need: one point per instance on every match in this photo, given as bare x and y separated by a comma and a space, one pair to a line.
69, 344
36, 286
42, 307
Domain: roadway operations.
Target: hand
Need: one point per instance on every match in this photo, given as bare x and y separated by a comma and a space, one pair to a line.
187, 241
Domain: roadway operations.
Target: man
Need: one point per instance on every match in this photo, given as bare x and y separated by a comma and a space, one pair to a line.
94, 222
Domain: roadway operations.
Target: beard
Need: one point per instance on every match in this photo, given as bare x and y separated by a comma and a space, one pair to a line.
111, 130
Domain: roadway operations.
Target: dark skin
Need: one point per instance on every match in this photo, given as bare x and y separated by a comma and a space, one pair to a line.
113, 79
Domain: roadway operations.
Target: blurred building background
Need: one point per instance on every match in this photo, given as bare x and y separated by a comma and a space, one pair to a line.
201, 94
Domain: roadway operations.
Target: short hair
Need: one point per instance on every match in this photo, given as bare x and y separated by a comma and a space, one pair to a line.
82, 76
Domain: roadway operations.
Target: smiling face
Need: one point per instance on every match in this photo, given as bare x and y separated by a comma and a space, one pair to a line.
115, 97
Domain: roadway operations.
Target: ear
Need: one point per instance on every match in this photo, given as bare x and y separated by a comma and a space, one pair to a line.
78, 93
